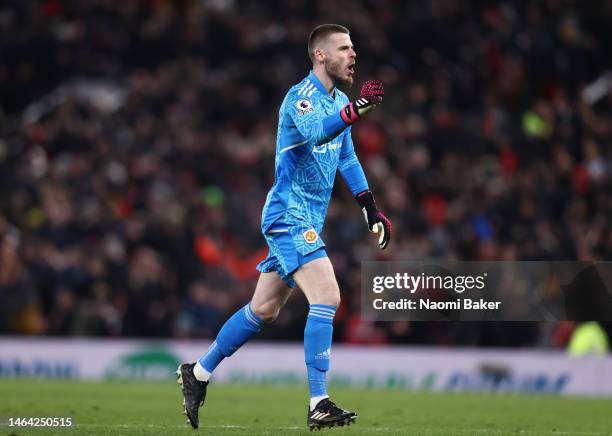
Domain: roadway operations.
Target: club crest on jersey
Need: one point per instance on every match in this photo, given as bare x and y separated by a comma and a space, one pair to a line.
303, 107
311, 236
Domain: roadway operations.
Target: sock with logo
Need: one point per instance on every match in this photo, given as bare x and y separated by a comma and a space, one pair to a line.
317, 347
235, 332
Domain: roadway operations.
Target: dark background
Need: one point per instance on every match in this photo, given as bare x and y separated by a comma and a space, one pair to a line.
137, 147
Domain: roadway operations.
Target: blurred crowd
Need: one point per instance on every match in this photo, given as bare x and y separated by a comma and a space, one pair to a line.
137, 146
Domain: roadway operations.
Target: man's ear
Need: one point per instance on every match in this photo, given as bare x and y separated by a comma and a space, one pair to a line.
319, 54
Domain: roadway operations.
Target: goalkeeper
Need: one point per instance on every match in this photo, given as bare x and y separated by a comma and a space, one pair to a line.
313, 142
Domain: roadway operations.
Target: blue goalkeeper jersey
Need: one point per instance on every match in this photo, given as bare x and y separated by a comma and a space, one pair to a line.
312, 143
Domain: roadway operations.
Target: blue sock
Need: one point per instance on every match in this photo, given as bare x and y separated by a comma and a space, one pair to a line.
234, 333
317, 346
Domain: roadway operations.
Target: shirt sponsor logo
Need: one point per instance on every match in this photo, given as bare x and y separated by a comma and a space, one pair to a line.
311, 236
303, 107
327, 146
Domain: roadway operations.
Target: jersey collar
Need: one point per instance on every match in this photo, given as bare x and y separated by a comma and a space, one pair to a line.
317, 83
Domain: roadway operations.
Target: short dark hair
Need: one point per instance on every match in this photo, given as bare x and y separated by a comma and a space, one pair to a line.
321, 32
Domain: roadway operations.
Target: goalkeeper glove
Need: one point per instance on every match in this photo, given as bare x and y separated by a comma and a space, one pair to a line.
371, 95
376, 220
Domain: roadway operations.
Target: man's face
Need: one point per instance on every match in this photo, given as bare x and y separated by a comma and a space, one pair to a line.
340, 59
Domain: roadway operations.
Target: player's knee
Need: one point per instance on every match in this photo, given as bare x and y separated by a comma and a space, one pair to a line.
328, 300
266, 312
332, 300
331, 297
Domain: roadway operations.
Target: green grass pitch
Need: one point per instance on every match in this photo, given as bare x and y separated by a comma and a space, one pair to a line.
119, 408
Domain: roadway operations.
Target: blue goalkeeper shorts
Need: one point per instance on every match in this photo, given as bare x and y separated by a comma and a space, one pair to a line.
290, 248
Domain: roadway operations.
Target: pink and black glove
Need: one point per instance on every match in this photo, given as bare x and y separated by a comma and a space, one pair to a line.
371, 95
377, 221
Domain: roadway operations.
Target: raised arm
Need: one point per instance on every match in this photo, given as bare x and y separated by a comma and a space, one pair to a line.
319, 128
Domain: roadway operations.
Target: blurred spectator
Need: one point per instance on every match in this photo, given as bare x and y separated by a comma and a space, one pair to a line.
588, 339
203, 312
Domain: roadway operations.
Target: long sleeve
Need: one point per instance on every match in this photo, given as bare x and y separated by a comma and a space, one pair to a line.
350, 167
